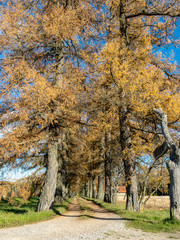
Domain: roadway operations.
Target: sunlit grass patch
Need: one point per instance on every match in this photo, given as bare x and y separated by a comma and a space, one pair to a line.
19, 214
149, 220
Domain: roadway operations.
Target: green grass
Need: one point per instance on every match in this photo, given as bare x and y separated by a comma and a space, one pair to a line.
17, 215
149, 220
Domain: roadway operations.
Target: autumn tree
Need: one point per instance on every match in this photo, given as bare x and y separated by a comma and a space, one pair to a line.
133, 77
41, 84
63, 58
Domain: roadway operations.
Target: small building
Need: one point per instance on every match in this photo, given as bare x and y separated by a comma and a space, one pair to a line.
121, 193
121, 189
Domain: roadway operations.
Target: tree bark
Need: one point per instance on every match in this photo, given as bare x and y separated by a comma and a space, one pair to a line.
107, 168
60, 193
113, 190
107, 194
87, 189
174, 189
101, 176
47, 196
125, 132
173, 167
94, 191
101, 183
128, 159
61, 189
90, 188
132, 193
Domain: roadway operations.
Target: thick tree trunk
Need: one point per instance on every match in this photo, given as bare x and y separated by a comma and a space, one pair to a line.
90, 187
82, 193
174, 190
128, 160
86, 189
107, 194
173, 166
101, 176
131, 187
47, 196
108, 168
60, 193
113, 190
132, 193
59, 82
61, 189
101, 183
94, 191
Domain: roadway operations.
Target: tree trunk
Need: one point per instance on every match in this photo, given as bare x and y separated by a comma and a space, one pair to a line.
86, 189
174, 190
47, 196
173, 166
128, 159
107, 168
101, 177
61, 190
60, 193
100, 194
94, 191
132, 193
90, 188
113, 190
107, 194
82, 193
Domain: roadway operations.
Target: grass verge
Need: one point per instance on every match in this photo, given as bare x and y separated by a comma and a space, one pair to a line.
149, 220
17, 215
86, 211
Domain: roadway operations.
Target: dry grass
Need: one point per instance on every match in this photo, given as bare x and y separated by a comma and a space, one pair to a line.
155, 202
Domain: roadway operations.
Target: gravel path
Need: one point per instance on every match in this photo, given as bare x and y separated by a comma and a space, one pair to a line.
102, 225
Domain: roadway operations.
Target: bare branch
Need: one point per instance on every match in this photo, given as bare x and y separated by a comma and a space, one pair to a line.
163, 117
145, 13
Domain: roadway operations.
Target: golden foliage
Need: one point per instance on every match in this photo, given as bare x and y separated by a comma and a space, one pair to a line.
45, 89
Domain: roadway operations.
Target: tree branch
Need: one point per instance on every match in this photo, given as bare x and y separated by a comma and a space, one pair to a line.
145, 13
159, 112
175, 152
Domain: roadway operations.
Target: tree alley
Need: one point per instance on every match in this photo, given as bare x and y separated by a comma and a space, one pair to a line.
87, 69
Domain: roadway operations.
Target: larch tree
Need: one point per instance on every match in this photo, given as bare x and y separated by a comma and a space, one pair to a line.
104, 135
133, 77
41, 84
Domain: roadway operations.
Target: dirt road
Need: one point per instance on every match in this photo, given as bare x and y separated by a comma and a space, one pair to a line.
70, 226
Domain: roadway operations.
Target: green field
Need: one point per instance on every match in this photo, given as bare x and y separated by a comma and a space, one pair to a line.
149, 220
20, 214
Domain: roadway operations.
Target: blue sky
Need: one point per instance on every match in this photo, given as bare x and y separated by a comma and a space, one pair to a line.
175, 50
